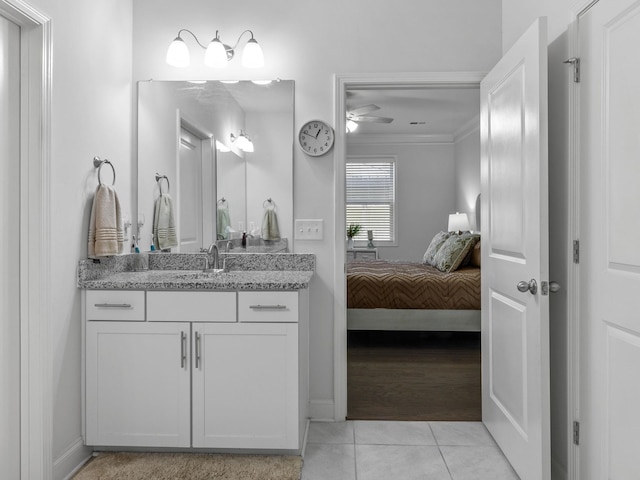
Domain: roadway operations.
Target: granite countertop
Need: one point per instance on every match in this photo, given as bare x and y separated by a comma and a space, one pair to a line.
197, 280
259, 271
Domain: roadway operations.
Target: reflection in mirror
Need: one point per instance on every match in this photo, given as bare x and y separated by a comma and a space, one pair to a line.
180, 124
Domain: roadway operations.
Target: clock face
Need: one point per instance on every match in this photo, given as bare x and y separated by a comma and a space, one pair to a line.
316, 138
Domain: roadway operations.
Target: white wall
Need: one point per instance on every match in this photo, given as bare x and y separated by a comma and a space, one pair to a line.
517, 16
467, 160
404, 36
90, 115
425, 194
269, 169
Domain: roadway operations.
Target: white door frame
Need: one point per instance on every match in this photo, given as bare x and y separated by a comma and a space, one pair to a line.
36, 374
342, 84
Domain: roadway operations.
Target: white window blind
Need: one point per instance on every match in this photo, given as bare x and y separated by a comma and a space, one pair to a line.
371, 193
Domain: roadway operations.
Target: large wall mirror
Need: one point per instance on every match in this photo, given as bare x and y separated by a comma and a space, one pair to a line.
188, 148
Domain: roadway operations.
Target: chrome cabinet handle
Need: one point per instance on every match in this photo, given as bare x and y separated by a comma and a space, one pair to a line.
183, 349
530, 286
112, 305
198, 336
268, 307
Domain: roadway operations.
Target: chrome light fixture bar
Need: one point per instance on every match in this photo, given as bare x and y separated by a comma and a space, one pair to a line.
217, 54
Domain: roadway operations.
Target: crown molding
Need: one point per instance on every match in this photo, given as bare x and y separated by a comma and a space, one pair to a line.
467, 129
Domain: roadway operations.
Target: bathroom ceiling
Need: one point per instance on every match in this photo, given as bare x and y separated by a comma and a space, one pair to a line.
417, 112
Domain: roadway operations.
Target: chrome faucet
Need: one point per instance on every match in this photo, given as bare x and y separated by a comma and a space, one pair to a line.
212, 257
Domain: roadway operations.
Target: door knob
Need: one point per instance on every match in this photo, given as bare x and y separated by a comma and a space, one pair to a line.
554, 287
530, 286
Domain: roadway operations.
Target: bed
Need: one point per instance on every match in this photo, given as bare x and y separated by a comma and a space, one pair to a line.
398, 295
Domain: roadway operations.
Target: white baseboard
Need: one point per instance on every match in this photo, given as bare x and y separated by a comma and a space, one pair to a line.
65, 466
322, 410
558, 472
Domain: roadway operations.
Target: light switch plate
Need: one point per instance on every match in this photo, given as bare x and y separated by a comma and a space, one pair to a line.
309, 229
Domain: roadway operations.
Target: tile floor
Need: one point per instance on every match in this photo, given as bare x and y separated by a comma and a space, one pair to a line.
380, 450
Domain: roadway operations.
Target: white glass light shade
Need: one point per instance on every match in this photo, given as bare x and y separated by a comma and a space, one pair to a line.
458, 222
351, 126
216, 55
178, 54
248, 145
252, 56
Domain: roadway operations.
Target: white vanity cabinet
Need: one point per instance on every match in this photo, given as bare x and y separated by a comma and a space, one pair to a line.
245, 385
137, 384
203, 369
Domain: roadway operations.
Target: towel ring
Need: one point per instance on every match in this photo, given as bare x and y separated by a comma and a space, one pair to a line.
98, 163
159, 179
268, 200
222, 201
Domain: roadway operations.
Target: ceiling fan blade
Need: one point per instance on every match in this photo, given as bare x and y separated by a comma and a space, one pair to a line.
372, 119
364, 109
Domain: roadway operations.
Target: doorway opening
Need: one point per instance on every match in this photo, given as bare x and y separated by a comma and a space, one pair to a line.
386, 371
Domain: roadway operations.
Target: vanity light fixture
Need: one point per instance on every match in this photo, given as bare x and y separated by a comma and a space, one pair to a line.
242, 141
217, 54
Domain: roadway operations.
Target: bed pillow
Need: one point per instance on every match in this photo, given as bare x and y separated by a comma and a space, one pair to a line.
434, 246
474, 261
454, 251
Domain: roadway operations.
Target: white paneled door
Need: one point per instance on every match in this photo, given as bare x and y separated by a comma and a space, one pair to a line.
515, 301
9, 248
609, 229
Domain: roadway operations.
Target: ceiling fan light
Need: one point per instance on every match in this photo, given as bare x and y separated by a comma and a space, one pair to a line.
216, 54
252, 56
351, 126
178, 54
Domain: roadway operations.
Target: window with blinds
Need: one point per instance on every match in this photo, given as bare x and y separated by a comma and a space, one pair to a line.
371, 198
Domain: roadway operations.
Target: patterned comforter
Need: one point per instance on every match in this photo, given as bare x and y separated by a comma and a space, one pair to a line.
385, 284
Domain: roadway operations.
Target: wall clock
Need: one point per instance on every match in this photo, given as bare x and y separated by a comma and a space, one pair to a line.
315, 138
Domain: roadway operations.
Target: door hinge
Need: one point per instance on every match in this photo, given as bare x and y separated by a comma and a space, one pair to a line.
575, 62
576, 251
576, 433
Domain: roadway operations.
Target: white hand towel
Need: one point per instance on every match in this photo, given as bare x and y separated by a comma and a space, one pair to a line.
106, 232
223, 223
270, 229
164, 226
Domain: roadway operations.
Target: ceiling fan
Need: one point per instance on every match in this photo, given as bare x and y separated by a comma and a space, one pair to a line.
359, 114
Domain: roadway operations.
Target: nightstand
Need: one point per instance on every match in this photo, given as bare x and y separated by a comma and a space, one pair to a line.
361, 254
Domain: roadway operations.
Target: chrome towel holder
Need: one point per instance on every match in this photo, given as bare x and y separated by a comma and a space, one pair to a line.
159, 179
270, 202
98, 163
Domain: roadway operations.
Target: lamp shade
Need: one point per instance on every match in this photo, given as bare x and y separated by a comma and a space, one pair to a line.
252, 56
458, 222
178, 54
216, 54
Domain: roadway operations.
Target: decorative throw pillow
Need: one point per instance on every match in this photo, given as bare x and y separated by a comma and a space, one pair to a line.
453, 252
434, 246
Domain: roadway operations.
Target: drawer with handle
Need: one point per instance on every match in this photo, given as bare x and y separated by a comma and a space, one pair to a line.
118, 305
274, 307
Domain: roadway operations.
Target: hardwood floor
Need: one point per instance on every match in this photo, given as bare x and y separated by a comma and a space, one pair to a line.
414, 376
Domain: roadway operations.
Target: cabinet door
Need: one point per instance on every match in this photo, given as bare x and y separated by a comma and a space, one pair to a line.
137, 384
245, 385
